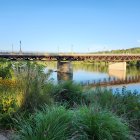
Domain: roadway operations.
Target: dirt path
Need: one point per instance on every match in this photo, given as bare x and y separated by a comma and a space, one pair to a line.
2, 137
6, 135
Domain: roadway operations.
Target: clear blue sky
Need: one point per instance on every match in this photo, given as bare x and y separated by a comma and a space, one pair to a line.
78, 25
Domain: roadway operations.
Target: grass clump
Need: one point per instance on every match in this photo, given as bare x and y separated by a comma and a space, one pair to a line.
125, 104
34, 84
68, 93
53, 123
97, 124
57, 123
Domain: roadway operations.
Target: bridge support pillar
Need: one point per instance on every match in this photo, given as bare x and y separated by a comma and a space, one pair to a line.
64, 67
64, 71
117, 69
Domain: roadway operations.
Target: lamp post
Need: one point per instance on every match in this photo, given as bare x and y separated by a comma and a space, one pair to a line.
12, 48
58, 49
72, 49
20, 47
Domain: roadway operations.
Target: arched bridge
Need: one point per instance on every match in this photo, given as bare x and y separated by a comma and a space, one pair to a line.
70, 56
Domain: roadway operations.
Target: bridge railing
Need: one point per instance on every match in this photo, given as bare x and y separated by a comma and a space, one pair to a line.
64, 53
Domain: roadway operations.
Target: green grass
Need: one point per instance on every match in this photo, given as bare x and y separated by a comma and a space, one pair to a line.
57, 123
68, 93
34, 85
100, 125
125, 104
79, 115
30, 93
50, 124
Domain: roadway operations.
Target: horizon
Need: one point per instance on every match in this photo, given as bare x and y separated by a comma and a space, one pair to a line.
69, 26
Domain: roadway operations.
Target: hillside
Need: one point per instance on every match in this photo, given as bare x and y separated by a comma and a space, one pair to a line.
130, 50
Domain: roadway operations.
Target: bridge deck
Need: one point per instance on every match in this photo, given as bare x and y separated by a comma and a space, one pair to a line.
69, 56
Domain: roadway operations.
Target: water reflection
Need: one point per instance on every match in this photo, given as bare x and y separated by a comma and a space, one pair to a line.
64, 76
119, 74
89, 72
131, 87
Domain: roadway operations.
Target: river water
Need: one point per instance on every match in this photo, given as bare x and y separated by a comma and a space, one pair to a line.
83, 72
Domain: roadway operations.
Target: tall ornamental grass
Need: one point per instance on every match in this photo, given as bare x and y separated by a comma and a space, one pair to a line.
57, 123
50, 124
27, 90
97, 124
125, 104
35, 86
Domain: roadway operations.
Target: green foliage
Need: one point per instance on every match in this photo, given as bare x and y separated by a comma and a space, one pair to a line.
8, 105
100, 125
57, 123
68, 93
34, 89
29, 94
125, 104
5, 69
90, 66
50, 124
135, 50
33, 82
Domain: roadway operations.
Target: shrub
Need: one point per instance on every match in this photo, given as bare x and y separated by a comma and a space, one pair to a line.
33, 82
53, 123
8, 106
57, 123
30, 91
100, 125
5, 69
124, 103
68, 93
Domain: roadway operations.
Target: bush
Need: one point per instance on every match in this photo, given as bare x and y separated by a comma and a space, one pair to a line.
57, 123
33, 82
5, 69
30, 91
125, 104
50, 124
8, 106
100, 125
68, 93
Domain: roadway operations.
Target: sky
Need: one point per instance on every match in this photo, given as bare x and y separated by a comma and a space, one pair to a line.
69, 25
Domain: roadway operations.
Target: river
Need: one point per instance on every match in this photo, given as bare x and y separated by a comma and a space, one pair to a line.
83, 72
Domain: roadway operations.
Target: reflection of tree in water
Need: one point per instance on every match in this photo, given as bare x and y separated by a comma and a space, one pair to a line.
132, 71
50, 64
64, 76
90, 67
86, 66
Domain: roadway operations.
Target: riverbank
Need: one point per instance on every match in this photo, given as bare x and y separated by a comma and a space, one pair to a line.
36, 108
